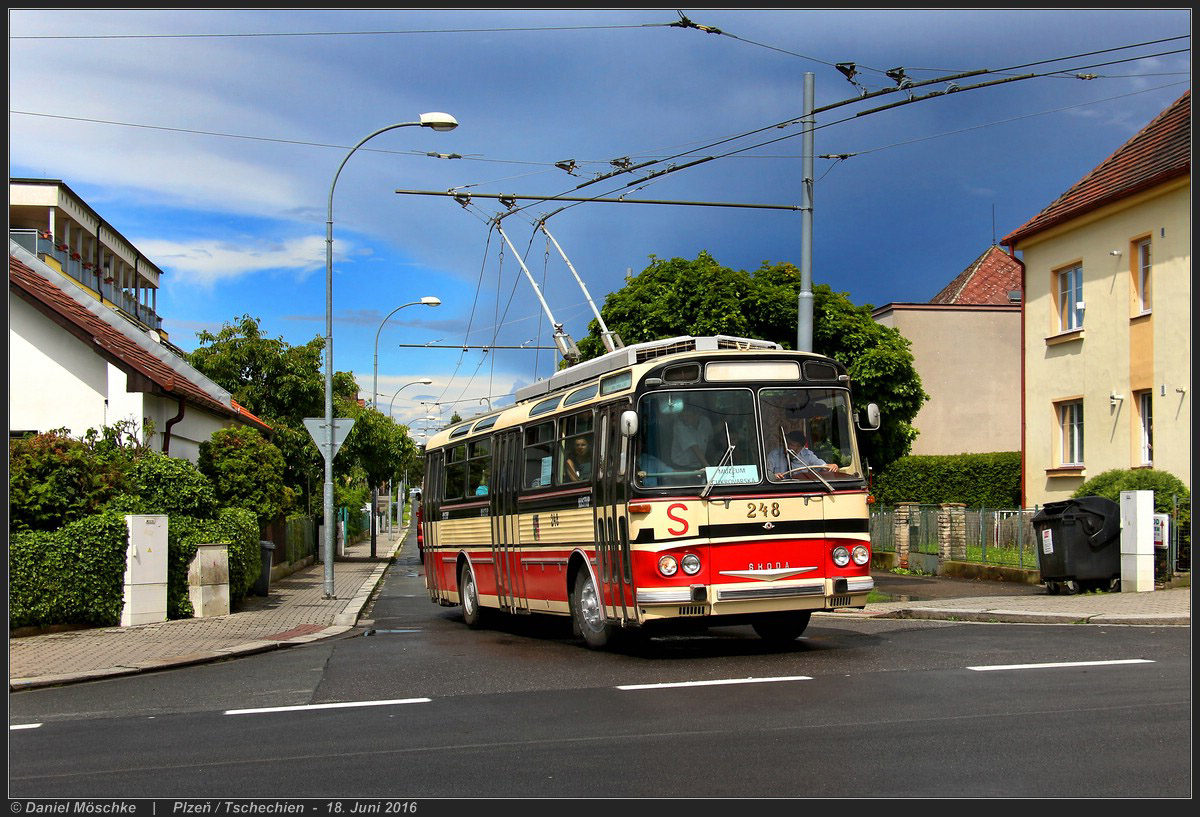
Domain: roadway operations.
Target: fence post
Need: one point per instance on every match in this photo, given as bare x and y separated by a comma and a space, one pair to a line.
952, 532
900, 523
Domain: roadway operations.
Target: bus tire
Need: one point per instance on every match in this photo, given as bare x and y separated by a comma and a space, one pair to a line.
587, 613
468, 596
783, 628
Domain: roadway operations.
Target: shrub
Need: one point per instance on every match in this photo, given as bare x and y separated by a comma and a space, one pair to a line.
246, 471
55, 479
977, 480
73, 575
175, 487
1166, 487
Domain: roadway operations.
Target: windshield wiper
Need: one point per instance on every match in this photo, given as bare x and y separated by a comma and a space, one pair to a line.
726, 462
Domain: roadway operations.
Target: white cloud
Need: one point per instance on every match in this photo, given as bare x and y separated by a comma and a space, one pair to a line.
208, 262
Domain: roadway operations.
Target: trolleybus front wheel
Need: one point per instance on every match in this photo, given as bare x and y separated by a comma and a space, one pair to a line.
468, 594
783, 628
589, 618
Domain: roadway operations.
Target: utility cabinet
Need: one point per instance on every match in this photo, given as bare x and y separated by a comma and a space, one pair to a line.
208, 581
145, 570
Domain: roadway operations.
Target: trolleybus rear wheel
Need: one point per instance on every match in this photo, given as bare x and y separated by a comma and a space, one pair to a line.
585, 607
469, 596
783, 628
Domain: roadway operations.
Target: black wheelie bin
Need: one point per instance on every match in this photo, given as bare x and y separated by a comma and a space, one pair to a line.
1079, 544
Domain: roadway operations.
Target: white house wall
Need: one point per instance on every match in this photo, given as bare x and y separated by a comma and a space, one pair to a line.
58, 381
55, 379
196, 426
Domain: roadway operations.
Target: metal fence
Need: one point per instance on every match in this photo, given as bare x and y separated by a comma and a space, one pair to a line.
301, 538
998, 536
1005, 536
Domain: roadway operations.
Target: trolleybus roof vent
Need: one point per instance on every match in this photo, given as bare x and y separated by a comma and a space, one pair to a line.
637, 353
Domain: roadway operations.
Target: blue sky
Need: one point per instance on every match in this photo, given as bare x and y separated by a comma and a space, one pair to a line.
214, 155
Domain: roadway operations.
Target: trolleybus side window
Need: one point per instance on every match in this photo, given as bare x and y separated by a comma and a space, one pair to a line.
539, 455
575, 447
456, 472
479, 467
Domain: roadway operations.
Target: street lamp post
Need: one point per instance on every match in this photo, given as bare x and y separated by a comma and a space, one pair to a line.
375, 489
428, 300
424, 381
438, 122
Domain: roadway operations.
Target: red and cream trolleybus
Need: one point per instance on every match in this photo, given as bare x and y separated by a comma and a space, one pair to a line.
707, 481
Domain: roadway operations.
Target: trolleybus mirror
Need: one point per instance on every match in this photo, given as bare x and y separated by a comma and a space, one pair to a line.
629, 423
872, 421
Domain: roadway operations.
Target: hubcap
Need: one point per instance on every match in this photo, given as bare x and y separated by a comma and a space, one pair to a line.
589, 606
469, 595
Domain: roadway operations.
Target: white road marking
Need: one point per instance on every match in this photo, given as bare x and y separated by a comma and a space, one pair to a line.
343, 705
1063, 664
716, 683
24, 726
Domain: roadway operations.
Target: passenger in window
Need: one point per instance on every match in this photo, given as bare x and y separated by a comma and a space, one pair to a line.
689, 443
579, 461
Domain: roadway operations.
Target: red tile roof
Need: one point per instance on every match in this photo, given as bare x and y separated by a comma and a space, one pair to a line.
988, 280
1161, 151
118, 347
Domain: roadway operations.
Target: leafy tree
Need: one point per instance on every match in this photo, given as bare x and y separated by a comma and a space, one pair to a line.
378, 444
282, 384
246, 471
700, 297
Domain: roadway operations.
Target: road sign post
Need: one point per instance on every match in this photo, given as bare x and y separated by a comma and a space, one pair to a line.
318, 430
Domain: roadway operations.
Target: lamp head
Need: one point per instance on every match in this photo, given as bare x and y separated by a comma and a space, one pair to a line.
431, 300
426, 381
438, 121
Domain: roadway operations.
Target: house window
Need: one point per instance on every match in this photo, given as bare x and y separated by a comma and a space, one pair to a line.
1143, 276
1070, 298
1070, 423
1146, 422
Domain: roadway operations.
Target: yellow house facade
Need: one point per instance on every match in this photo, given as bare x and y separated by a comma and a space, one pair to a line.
1106, 325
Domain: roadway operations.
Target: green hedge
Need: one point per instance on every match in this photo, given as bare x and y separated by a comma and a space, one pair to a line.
73, 575
977, 480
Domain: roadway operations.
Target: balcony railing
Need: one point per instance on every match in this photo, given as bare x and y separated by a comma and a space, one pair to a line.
125, 300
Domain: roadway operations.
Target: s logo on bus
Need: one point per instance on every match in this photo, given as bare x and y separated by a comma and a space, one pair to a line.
683, 524
537, 529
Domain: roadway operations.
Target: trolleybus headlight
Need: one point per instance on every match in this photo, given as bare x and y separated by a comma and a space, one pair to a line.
691, 564
841, 556
667, 565
860, 554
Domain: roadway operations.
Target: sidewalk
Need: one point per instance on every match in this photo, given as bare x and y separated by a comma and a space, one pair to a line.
295, 612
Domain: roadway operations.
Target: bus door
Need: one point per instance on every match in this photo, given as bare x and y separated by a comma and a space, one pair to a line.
614, 569
506, 481
431, 494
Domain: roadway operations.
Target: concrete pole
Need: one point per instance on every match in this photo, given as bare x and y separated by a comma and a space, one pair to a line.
804, 307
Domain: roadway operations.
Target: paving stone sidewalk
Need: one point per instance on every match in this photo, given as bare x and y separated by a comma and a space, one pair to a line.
293, 612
